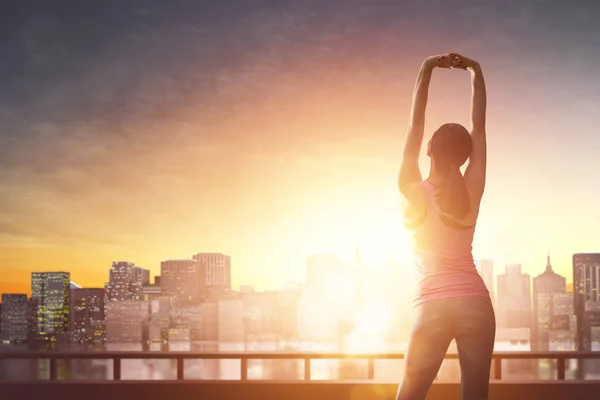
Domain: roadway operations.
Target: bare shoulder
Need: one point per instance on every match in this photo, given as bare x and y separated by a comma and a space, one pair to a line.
414, 202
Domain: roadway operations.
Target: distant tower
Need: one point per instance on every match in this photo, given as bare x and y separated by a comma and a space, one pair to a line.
545, 286
513, 304
586, 298
51, 292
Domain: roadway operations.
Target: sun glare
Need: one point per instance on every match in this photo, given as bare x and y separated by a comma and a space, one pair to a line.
370, 326
382, 242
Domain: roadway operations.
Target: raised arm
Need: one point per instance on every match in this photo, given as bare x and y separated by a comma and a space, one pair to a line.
410, 174
476, 170
409, 169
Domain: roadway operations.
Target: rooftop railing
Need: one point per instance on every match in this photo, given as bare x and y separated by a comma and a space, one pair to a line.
179, 356
183, 388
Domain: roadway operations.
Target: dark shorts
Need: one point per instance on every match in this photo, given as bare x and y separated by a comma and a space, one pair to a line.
468, 320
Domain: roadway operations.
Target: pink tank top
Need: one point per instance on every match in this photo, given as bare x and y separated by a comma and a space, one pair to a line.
443, 256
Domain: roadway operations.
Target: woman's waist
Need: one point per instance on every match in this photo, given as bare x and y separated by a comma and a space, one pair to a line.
451, 284
444, 260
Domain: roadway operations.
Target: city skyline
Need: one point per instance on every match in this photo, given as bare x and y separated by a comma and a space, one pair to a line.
271, 130
191, 298
496, 271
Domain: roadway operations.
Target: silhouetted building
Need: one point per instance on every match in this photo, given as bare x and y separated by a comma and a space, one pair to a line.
586, 285
32, 320
215, 270
141, 275
181, 279
486, 270
545, 286
513, 306
14, 318
563, 325
51, 291
87, 313
151, 292
125, 282
125, 320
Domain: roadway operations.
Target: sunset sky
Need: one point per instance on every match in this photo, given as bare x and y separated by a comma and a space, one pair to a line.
272, 130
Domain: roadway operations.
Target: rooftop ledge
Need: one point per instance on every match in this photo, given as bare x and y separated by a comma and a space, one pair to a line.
293, 390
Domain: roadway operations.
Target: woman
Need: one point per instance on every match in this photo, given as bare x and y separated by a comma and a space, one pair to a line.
440, 212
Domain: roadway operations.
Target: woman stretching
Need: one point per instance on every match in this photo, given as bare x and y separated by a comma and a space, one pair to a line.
440, 212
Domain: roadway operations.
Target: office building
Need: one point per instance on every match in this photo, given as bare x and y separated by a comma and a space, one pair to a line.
215, 269
545, 286
181, 279
51, 292
141, 275
513, 305
486, 270
13, 317
586, 296
125, 282
563, 326
125, 320
87, 313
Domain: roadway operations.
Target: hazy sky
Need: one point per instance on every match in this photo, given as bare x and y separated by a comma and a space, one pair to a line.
270, 130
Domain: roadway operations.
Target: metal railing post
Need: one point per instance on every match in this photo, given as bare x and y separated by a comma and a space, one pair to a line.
180, 368
53, 368
116, 369
244, 368
560, 368
371, 369
498, 368
307, 368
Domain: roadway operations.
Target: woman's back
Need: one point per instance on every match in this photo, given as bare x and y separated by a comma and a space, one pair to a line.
443, 256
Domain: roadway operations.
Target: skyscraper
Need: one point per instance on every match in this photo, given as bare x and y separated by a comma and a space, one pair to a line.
87, 312
51, 292
14, 318
545, 286
486, 270
125, 282
141, 275
513, 306
181, 279
125, 320
215, 269
586, 296
563, 333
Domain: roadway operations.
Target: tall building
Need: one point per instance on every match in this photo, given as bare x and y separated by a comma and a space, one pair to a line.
125, 320
563, 326
586, 285
513, 305
181, 279
215, 269
486, 270
545, 286
125, 282
87, 313
51, 292
141, 275
32, 320
14, 318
